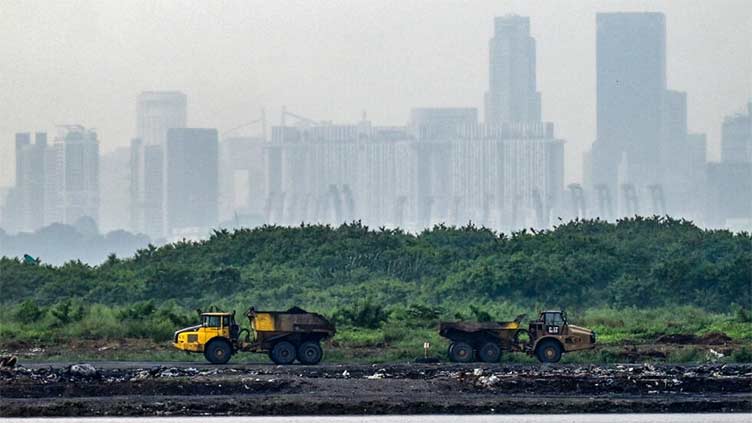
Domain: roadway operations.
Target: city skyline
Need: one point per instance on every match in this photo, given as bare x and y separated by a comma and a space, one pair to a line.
213, 104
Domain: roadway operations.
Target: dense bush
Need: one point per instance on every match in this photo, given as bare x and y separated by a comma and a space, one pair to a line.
638, 262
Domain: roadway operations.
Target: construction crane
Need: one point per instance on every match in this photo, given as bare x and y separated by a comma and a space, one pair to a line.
269, 206
349, 202
426, 212
630, 200
279, 205
261, 120
578, 200
659, 202
487, 201
399, 210
334, 197
540, 218
304, 207
456, 202
604, 201
291, 214
299, 118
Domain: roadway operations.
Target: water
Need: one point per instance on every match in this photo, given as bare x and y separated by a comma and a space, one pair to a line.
548, 418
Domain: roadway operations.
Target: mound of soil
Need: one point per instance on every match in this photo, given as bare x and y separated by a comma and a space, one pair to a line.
712, 338
678, 338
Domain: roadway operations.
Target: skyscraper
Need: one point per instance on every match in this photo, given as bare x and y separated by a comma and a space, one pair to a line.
157, 111
729, 183
80, 149
736, 144
242, 176
25, 211
115, 200
512, 94
676, 157
631, 82
192, 180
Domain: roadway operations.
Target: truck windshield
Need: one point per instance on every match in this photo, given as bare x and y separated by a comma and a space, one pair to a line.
554, 319
211, 321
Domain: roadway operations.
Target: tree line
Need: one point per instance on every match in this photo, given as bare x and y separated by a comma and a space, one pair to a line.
635, 262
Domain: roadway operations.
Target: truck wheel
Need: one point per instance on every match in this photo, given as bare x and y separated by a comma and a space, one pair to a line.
548, 351
310, 353
218, 351
283, 352
461, 352
490, 352
449, 351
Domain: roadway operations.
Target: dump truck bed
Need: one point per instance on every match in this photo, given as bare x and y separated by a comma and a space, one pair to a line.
286, 321
473, 327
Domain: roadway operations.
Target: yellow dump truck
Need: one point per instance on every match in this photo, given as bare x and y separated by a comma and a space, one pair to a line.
285, 336
547, 338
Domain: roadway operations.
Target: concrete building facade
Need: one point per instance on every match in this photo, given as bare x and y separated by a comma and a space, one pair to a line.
242, 180
631, 83
192, 181
157, 112
502, 176
80, 173
736, 144
512, 94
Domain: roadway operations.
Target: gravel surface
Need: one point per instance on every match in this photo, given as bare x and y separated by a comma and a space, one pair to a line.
148, 389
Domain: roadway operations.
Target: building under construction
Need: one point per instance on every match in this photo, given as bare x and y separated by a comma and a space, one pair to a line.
442, 167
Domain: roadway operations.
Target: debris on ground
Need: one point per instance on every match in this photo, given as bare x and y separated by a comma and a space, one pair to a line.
85, 370
446, 388
8, 361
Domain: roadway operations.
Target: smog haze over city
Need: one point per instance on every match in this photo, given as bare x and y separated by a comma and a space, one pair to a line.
423, 210
164, 120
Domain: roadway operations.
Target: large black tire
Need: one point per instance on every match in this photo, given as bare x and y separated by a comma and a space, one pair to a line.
490, 352
449, 351
548, 351
310, 353
283, 352
461, 352
218, 351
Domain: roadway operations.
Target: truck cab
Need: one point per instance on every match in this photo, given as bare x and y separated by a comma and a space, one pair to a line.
553, 335
216, 329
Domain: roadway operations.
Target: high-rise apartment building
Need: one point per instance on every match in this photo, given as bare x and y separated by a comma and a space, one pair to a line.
114, 210
25, 208
192, 180
242, 178
157, 112
631, 83
80, 173
736, 144
512, 94
432, 127
729, 183
55, 183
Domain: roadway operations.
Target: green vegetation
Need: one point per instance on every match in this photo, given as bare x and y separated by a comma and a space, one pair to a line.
632, 280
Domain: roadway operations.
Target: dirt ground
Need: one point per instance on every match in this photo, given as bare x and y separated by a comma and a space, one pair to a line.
147, 389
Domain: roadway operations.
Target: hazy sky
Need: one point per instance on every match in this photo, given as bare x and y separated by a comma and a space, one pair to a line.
86, 61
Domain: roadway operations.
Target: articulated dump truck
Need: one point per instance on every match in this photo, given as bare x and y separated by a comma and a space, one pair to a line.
547, 338
285, 336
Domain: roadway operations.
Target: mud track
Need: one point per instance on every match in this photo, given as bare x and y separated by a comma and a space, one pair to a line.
146, 389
